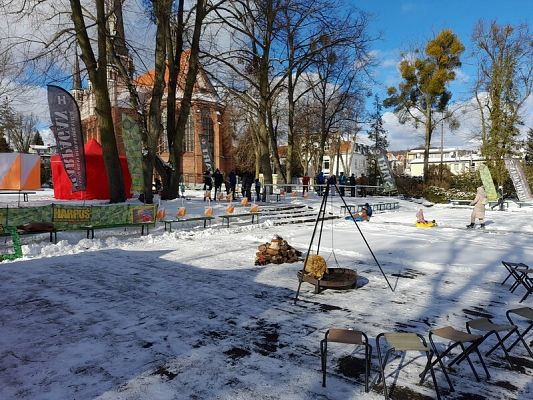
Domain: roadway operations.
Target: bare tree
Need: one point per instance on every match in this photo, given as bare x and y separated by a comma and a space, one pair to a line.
97, 68
337, 90
311, 29
22, 132
251, 55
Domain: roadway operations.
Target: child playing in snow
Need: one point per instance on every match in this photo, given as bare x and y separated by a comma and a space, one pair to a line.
420, 217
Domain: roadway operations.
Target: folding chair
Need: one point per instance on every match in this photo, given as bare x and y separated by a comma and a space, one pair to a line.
458, 338
348, 337
524, 279
522, 275
403, 342
526, 313
487, 326
510, 266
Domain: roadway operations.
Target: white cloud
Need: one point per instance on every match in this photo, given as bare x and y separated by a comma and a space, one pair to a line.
461, 76
390, 63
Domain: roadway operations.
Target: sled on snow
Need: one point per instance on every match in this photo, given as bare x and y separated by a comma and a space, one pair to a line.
428, 224
356, 219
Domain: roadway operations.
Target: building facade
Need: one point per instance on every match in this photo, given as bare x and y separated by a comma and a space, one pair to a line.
208, 120
456, 160
350, 157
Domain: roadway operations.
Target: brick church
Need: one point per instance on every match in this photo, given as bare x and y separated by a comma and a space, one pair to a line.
208, 119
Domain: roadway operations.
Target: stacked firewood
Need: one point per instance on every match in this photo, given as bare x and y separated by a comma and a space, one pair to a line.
278, 251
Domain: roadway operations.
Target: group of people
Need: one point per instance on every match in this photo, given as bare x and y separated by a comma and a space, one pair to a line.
216, 180
344, 182
478, 213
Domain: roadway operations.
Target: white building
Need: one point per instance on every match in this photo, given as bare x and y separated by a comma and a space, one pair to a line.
458, 161
352, 158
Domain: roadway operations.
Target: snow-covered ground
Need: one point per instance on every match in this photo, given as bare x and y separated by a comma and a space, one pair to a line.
187, 315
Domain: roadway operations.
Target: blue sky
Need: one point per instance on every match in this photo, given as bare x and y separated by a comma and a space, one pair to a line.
405, 24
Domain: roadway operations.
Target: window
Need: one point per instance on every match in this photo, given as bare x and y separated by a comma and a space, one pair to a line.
188, 137
326, 164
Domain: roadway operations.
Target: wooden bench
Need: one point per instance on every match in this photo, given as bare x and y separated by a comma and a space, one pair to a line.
90, 228
521, 204
227, 217
53, 234
349, 207
457, 202
169, 222
390, 205
24, 193
494, 203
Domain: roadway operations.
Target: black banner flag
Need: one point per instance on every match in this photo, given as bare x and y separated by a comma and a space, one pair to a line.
66, 126
206, 153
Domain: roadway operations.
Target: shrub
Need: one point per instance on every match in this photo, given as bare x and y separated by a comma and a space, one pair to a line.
467, 182
409, 186
435, 194
458, 194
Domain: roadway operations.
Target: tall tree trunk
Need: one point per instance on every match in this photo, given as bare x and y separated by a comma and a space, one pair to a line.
274, 143
175, 52
427, 143
263, 146
97, 70
290, 131
162, 11
183, 115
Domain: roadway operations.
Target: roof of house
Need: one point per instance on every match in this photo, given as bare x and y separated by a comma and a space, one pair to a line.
202, 86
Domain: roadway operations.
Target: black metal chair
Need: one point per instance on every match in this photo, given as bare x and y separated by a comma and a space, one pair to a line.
522, 275
467, 342
510, 267
490, 328
403, 342
527, 314
346, 336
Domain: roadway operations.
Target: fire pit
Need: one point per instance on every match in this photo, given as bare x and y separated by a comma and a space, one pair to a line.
336, 278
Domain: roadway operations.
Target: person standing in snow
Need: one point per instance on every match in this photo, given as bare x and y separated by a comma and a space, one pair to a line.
305, 183
208, 184
342, 183
232, 183
257, 184
218, 178
320, 181
479, 208
352, 182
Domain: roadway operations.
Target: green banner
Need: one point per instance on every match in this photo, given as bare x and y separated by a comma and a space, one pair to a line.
133, 147
67, 217
75, 215
488, 183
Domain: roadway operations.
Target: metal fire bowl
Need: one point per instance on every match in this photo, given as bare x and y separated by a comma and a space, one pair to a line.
336, 278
